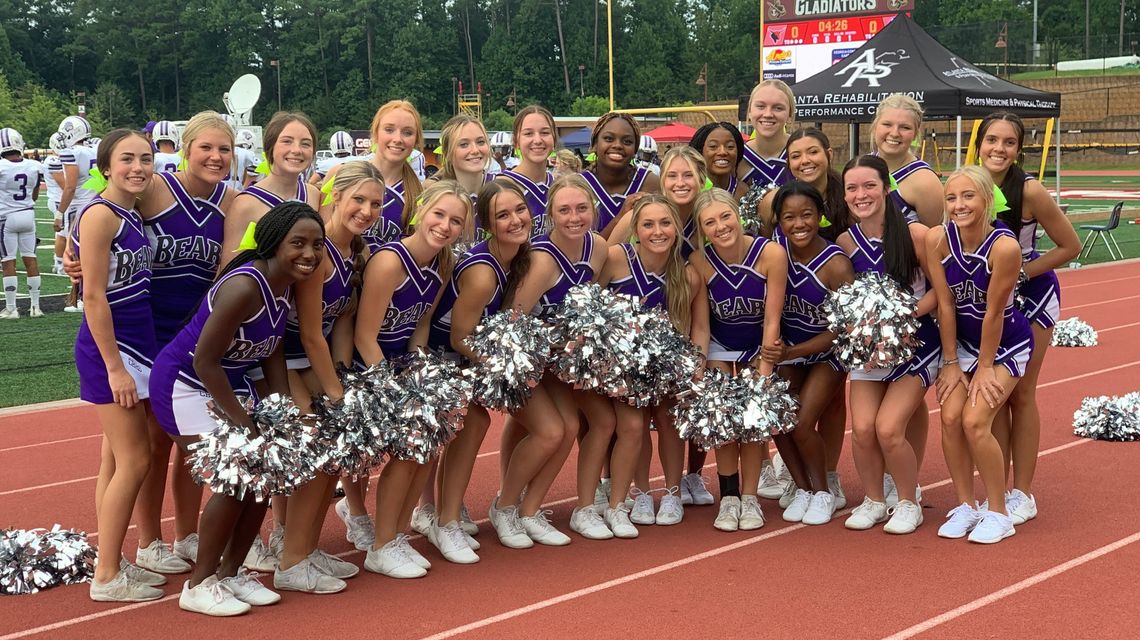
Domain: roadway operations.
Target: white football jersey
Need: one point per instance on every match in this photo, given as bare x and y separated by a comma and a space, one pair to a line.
325, 165
82, 157
18, 181
166, 162
243, 164
53, 165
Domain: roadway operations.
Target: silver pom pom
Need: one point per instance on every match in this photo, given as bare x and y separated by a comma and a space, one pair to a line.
748, 407
1116, 419
596, 330
279, 454
424, 405
515, 350
874, 322
704, 413
35, 560
1073, 332
664, 363
351, 431
750, 220
766, 407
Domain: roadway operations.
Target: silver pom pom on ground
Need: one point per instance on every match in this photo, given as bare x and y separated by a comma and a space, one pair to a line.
1115, 419
38, 559
1074, 332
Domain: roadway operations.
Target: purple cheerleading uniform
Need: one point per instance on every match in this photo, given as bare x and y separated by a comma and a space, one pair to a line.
537, 195
737, 293
179, 396
410, 301
573, 273
186, 239
336, 296
439, 334
128, 296
770, 171
968, 275
609, 205
688, 235
271, 199
649, 288
1040, 297
869, 256
389, 227
804, 317
904, 172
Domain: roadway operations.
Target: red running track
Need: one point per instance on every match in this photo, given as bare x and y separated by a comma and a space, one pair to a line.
1069, 573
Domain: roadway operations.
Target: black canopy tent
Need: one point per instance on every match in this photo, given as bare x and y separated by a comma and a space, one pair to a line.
902, 58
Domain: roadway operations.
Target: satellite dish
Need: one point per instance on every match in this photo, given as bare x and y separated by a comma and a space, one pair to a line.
242, 96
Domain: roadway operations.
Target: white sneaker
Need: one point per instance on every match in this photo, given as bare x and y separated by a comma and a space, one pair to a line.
686, 495
140, 575
423, 517
212, 598
642, 511
671, 510
35, 312
260, 558
994, 527
359, 530
698, 490
471, 541
246, 587
866, 515
783, 474
452, 543
751, 517
158, 557
331, 565
788, 496
394, 561
617, 519
507, 526
465, 521
1020, 507
75, 308
836, 489
12, 314
798, 506
890, 490
820, 509
905, 518
417, 557
602, 494
187, 548
728, 519
307, 578
540, 530
277, 541
586, 522
769, 487
960, 520
122, 589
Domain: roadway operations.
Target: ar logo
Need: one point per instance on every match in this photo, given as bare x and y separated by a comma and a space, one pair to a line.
872, 68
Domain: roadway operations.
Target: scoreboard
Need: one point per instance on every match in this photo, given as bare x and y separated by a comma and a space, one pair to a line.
797, 50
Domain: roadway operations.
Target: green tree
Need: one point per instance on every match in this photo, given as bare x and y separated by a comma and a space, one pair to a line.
37, 114
498, 120
108, 106
589, 106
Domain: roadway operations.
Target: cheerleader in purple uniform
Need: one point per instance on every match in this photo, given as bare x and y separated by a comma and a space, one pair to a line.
883, 400
974, 266
318, 335
482, 283
650, 268
239, 324
535, 137
816, 267
999, 144
611, 177
721, 145
114, 352
290, 143
745, 279
402, 284
771, 107
535, 445
466, 154
894, 132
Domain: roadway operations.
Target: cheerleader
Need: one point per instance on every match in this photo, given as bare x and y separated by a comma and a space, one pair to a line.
720, 143
318, 334
650, 268
883, 400
611, 177
816, 267
771, 108
987, 344
535, 136
113, 354
481, 284
570, 254
745, 278
290, 142
999, 144
239, 324
466, 154
19, 188
396, 132
402, 283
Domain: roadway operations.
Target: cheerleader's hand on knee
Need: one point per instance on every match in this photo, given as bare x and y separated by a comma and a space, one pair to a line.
986, 385
949, 377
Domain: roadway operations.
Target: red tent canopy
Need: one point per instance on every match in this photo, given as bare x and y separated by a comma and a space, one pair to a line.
672, 132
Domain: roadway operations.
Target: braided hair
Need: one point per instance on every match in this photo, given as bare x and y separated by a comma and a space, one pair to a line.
702, 136
601, 124
272, 230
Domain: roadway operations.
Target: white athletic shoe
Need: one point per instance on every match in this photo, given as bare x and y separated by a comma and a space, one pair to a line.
866, 515
260, 558
602, 494
960, 521
74, 308
417, 557
394, 561
246, 587
836, 489
140, 575
359, 530
642, 511
158, 557
783, 474
905, 518
1020, 507
11, 314
994, 527
728, 519
890, 491
332, 565
617, 520
751, 517
452, 543
789, 495
212, 598
465, 521
769, 487
122, 589
423, 517
798, 506
820, 509
307, 578
277, 541
671, 510
586, 522
694, 484
35, 312
187, 548
540, 530
507, 526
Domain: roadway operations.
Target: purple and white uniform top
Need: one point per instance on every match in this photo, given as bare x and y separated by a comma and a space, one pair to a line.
902, 173
186, 239
770, 171
571, 273
968, 275
537, 195
869, 256
336, 296
1040, 297
389, 226
649, 288
271, 199
439, 335
179, 395
128, 296
737, 293
804, 316
410, 301
610, 204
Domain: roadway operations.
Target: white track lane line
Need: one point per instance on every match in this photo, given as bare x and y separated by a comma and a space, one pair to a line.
1099, 303
51, 442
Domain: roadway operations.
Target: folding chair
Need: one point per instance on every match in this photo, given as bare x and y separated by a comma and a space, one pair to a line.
1104, 233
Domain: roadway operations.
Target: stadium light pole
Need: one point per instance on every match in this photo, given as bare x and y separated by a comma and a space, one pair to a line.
610, 46
581, 83
276, 64
761, 79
